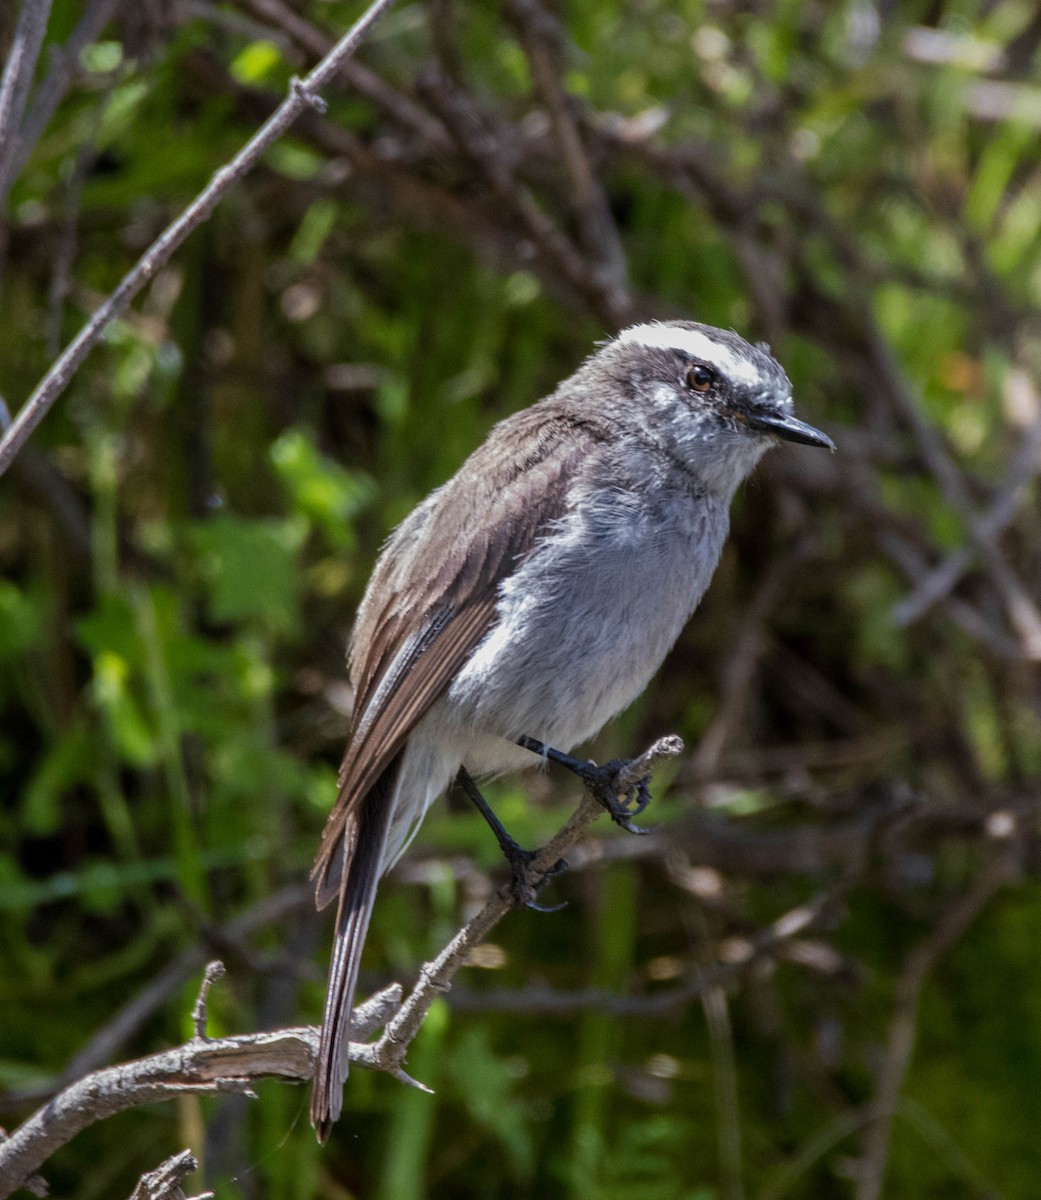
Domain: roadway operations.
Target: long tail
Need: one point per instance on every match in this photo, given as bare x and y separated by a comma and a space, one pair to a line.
363, 839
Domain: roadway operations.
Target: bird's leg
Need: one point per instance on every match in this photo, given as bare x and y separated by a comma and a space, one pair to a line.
519, 859
622, 799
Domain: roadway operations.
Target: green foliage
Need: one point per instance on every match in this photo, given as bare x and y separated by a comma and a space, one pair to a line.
185, 545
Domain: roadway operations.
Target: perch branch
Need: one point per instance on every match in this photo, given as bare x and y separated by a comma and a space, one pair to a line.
201, 1066
233, 1064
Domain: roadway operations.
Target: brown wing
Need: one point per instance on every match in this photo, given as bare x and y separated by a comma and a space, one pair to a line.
433, 594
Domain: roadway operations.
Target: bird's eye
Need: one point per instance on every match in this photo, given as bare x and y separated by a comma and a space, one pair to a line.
700, 378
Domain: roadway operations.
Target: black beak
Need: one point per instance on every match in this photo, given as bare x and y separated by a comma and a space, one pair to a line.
788, 428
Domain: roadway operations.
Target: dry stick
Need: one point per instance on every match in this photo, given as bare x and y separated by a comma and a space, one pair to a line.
593, 213
1001, 869
892, 538
224, 1065
15, 83
303, 94
315, 42
200, 1013
765, 944
483, 149
435, 978
1022, 611
233, 1064
64, 65
940, 582
164, 1183
201, 1066
740, 667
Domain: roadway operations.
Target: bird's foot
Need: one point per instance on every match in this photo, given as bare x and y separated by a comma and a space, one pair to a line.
622, 797
526, 884
623, 792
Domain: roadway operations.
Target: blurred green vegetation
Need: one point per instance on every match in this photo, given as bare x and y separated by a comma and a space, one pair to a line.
186, 538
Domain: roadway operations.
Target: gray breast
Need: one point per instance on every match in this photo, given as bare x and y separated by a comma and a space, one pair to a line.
587, 620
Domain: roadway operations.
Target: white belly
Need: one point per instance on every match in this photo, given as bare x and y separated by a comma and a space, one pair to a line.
583, 627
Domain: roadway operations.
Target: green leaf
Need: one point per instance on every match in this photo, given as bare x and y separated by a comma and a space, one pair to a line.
250, 568
21, 620
256, 62
319, 488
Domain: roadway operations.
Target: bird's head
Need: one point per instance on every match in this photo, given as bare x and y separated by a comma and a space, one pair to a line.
720, 400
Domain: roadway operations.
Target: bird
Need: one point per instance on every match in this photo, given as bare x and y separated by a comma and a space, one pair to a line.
533, 596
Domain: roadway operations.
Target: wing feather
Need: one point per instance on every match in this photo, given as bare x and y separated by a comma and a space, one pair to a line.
433, 595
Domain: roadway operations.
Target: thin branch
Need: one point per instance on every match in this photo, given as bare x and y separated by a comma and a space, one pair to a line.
921, 962
55, 84
1007, 502
164, 1183
484, 151
303, 94
204, 1066
596, 224
766, 944
315, 42
223, 1065
214, 971
15, 83
743, 661
1022, 611
199, 1067
435, 978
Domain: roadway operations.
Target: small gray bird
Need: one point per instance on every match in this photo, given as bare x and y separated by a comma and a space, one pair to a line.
534, 595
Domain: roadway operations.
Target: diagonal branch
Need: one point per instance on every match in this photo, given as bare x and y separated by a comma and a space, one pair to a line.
435, 978
303, 94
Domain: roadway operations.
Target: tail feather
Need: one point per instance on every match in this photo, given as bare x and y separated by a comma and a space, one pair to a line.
363, 840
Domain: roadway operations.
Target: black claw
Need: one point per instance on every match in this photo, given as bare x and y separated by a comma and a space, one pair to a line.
629, 827
602, 782
522, 888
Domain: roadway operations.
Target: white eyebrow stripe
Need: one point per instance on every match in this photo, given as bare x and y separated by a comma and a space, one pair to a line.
695, 343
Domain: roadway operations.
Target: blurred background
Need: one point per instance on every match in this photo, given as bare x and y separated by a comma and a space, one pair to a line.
819, 977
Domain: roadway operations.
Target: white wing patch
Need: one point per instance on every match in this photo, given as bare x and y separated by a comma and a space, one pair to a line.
694, 342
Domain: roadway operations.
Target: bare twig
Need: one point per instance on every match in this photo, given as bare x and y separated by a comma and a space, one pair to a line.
765, 945
233, 1064
1003, 508
315, 42
742, 662
303, 94
599, 234
1022, 611
484, 151
16, 81
222, 1065
435, 978
214, 971
164, 1183
1001, 869
202, 1066
55, 84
